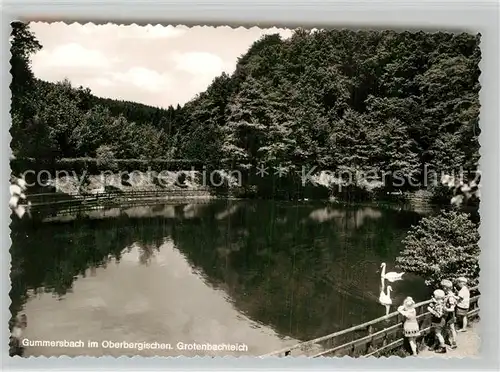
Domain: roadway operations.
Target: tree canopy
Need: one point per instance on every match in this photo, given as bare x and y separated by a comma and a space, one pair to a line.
442, 247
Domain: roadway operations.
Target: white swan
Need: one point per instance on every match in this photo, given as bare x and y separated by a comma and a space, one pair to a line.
391, 276
385, 299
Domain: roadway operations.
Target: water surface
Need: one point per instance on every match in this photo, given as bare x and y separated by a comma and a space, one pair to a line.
265, 274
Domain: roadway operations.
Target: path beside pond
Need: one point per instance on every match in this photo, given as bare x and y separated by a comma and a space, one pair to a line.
468, 345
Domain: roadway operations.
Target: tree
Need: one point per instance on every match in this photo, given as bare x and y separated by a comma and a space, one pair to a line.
23, 45
59, 114
94, 131
206, 117
442, 247
352, 142
23, 108
247, 123
450, 88
106, 157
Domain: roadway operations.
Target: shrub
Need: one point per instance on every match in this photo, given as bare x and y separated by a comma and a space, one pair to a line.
442, 246
441, 194
106, 159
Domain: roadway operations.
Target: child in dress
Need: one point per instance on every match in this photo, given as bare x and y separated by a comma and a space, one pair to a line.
463, 303
410, 326
436, 308
450, 302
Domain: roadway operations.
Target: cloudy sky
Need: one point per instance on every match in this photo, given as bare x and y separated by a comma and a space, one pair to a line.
155, 65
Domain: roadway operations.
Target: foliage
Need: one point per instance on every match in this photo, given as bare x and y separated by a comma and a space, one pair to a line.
462, 191
442, 247
106, 157
25, 130
378, 101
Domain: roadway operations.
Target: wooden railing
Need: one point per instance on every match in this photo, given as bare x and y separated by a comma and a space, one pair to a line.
371, 338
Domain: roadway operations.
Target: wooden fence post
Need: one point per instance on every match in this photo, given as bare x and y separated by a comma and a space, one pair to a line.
352, 350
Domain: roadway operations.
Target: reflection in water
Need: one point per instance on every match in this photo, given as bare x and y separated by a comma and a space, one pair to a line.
261, 273
354, 219
227, 212
164, 302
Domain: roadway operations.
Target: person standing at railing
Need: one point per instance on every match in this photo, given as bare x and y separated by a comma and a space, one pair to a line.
436, 308
463, 303
410, 326
450, 303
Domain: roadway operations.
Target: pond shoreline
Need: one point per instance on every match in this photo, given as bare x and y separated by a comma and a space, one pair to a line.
108, 205
69, 206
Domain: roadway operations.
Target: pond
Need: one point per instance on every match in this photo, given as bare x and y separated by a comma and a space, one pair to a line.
265, 274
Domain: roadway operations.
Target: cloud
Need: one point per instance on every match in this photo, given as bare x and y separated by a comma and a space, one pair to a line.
143, 78
285, 33
132, 31
199, 63
160, 32
154, 64
101, 81
203, 68
71, 55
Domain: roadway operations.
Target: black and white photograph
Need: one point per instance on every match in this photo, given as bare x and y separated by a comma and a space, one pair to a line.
244, 191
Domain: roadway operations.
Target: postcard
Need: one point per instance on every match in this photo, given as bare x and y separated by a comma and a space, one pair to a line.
217, 191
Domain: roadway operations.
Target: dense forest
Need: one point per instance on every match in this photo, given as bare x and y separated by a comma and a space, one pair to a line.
367, 100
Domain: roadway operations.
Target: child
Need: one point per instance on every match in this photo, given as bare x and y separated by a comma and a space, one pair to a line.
436, 308
463, 303
411, 329
450, 302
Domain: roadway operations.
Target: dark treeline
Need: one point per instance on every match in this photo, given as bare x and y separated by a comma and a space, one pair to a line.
284, 266
132, 111
367, 100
